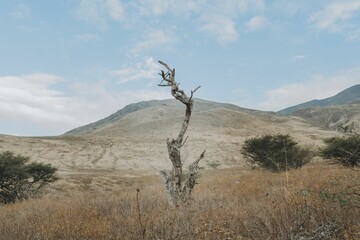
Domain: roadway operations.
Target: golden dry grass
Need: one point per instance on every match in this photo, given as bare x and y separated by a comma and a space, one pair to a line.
317, 201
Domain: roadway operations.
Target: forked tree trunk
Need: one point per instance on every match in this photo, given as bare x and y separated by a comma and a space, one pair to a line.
177, 190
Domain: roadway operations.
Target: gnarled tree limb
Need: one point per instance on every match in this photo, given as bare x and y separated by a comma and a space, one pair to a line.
173, 181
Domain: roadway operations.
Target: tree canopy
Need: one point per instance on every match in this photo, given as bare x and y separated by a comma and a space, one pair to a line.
343, 150
19, 179
275, 152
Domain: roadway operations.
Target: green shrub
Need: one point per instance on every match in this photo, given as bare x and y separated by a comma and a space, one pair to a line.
275, 152
343, 150
19, 179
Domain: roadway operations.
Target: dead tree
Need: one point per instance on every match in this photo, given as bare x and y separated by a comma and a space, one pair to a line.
177, 190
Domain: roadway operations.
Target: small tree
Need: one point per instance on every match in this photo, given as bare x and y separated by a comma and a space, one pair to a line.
343, 150
19, 179
275, 153
177, 190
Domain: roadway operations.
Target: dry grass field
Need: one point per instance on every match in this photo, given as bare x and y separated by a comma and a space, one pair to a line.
319, 201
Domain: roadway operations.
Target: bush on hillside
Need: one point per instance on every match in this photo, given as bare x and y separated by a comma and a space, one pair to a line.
343, 150
275, 152
20, 179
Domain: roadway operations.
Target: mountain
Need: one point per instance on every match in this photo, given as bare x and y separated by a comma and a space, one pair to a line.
134, 138
172, 104
336, 117
112, 118
347, 96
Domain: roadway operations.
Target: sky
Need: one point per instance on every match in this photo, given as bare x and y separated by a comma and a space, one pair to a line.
66, 63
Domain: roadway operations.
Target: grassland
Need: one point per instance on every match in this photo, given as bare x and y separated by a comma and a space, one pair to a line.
316, 202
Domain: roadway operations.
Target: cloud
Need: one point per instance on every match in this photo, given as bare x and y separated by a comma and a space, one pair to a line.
21, 12
160, 7
153, 39
97, 12
140, 71
318, 87
37, 107
334, 17
298, 57
354, 35
31, 99
196, 7
233, 8
289, 8
256, 23
89, 12
87, 37
32, 105
220, 27
216, 18
244, 5
147, 94
114, 8
219, 18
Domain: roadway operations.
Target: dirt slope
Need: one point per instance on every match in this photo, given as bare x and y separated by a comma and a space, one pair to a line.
137, 140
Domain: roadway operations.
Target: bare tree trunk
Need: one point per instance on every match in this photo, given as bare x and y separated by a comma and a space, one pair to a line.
176, 191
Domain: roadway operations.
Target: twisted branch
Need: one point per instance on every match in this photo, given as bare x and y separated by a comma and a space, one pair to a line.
173, 181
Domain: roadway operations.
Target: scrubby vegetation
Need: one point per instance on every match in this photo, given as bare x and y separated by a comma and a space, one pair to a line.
343, 150
315, 202
318, 201
275, 152
20, 179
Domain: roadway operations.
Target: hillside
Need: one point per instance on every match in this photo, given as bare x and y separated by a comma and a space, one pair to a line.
347, 96
333, 117
201, 105
134, 138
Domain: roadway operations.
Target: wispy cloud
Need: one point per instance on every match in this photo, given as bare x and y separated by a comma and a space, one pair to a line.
89, 12
298, 57
97, 12
160, 7
87, 37
33, 100
289, 8
354, 35
146, 70
220, 27
318, 87
256, 23
21, 12
147, 94
217, 19
196, 7
115, 9
244, 5
335, 16
220, 19
152, 39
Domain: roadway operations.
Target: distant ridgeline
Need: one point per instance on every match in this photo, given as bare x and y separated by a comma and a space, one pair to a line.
340, 112
200, 105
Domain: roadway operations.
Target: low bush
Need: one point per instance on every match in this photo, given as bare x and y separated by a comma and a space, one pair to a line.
20, 179
343, 150
275, 152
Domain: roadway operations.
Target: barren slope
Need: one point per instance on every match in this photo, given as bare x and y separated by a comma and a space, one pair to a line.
347, 96
332, 117
137, 140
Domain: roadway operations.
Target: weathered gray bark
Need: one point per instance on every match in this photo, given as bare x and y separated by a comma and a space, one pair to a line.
177, 191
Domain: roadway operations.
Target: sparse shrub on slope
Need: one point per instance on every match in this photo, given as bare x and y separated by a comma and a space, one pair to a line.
275, 152
343, 150
19, 179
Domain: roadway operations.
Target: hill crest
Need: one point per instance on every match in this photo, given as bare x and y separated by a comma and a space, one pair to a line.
347, 96
200, 105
